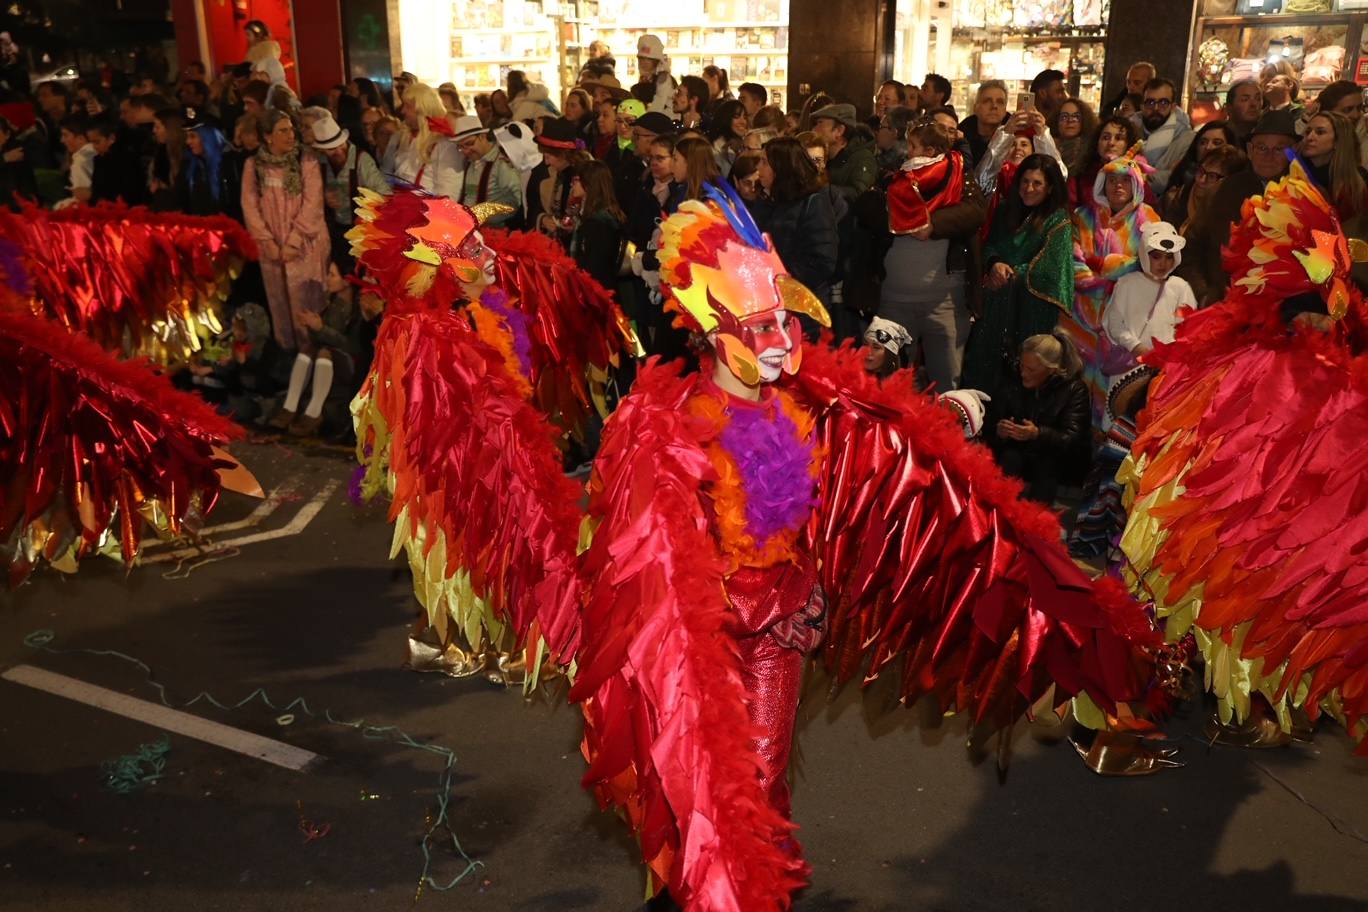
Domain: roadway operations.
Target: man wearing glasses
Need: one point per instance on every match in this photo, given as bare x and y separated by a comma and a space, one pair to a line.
1166, 130
488, 177
1273, 136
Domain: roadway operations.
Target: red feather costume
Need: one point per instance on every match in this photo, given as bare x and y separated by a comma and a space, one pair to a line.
688, 596
116, 274
95, 451
1248, 525
453, 418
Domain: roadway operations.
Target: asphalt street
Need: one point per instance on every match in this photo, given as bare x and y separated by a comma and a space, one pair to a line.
895, 813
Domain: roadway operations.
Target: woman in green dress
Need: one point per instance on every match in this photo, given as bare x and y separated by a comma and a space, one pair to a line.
1028, 278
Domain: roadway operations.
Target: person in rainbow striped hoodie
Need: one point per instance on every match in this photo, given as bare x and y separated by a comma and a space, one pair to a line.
1106, 247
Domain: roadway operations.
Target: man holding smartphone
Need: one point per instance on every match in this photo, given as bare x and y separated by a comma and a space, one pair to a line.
1049, 92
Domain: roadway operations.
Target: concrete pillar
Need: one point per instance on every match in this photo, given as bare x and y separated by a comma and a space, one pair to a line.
836, 46
1153, 30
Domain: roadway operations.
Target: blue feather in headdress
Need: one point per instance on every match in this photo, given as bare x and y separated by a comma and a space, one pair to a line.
734, 208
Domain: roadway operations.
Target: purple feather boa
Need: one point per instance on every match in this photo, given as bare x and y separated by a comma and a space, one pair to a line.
496, 299
775, 468
12, 269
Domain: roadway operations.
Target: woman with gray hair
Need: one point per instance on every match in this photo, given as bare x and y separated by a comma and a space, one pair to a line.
282, 207
1038, 422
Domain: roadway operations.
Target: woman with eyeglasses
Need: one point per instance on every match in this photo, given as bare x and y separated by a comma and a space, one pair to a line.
1174, 204
1212, 171
1072, 125
817, 150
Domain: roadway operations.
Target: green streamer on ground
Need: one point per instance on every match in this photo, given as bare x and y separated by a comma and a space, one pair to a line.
43, 639
136, 771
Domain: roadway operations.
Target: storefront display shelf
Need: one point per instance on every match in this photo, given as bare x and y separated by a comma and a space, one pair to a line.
1321, 47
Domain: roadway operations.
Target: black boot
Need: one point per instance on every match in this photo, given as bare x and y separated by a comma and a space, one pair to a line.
661, 902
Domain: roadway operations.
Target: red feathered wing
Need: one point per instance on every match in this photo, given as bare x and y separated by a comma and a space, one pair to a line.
667, 734
1268, 445
928, 555
109, 270
476, 478
1250, 471
91, 446
578, 331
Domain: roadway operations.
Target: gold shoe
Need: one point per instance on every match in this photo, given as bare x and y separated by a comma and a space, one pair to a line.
1125, 754
1257, 732
451, 660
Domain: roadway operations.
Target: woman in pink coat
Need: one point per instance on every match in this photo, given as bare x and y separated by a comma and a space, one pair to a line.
282, 204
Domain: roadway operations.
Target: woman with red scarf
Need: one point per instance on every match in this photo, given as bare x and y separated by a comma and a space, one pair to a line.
934, 214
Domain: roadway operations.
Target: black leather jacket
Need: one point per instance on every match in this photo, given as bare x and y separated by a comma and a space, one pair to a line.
1060, 408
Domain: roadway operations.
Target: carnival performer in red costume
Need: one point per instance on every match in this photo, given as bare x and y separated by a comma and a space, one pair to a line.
94, 452
736, 517
1247, 479
136, 282
483, 334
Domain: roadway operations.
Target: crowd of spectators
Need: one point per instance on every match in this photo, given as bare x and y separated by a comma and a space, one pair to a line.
1002, 250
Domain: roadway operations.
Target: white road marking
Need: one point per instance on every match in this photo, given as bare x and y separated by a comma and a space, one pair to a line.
263, 509
173, 720
293, 527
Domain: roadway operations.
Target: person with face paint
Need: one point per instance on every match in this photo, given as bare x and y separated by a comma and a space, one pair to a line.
523, 323
685, 589
1106, 247
691, 653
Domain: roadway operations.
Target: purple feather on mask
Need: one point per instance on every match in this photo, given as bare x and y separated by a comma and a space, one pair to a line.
496, 299
775, 469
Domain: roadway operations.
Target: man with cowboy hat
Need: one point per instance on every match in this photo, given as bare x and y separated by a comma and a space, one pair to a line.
488, 177
346, 169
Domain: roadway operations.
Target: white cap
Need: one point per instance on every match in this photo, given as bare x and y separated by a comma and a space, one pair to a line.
651, 47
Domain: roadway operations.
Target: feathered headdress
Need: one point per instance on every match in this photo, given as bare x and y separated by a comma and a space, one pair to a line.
1289, 242
411, 239
717, 268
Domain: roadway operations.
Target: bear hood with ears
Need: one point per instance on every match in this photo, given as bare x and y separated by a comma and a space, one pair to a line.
1161, 236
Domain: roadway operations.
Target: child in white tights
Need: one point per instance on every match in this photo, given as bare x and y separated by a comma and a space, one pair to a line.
325, 358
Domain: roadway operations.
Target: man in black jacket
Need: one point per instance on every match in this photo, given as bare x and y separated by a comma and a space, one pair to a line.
118, 174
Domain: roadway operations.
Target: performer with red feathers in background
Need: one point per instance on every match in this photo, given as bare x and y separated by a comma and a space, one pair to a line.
738, 517
1247, 485
476, 322
95, 451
